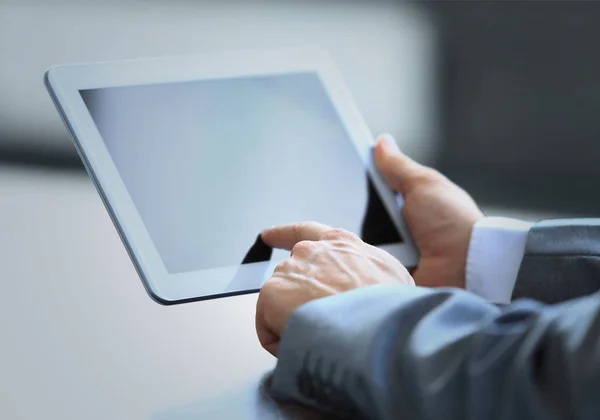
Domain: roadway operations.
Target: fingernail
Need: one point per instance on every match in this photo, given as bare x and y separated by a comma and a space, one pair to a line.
389, 144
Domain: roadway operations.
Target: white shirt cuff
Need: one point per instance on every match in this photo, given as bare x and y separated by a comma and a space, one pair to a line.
495, 254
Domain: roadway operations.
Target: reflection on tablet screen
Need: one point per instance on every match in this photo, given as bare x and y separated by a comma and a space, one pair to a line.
209, 164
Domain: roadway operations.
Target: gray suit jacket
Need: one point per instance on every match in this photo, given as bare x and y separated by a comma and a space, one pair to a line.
397, 352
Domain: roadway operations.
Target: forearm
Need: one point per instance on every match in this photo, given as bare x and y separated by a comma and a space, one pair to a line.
443, 354
325, 353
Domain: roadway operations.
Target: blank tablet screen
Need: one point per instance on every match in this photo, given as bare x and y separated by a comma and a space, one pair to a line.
209, 164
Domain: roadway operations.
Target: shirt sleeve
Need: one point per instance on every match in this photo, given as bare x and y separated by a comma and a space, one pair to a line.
494, 257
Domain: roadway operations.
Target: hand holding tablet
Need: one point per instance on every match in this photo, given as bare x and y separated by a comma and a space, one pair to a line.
194, 156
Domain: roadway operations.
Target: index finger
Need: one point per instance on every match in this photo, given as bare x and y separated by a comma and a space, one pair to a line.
286, 236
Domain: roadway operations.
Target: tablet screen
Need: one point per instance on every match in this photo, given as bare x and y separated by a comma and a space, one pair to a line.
209, 164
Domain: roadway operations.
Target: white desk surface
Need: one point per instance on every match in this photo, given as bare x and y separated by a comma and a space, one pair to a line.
80, 338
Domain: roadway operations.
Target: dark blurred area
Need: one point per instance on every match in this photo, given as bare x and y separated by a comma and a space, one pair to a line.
520, 99
501, 96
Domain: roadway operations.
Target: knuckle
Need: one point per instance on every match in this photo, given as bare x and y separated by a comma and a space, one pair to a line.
298, 228
269, 288
338, 234
280, 268
303, 248
284, 268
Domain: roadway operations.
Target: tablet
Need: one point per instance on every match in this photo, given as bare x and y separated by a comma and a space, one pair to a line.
194, 156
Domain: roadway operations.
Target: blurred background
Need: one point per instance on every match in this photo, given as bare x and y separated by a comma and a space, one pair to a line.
501, 96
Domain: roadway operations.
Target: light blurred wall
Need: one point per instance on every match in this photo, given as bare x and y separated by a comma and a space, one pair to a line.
385, 50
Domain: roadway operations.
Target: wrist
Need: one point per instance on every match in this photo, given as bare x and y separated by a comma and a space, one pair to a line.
495, 254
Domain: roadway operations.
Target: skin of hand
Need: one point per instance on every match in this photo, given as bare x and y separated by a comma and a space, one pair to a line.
439, 214
323, 262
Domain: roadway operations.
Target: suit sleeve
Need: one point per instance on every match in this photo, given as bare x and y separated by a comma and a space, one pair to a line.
396, 352
561, 261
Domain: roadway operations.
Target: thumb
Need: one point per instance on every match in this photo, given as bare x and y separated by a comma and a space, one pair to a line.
400, 171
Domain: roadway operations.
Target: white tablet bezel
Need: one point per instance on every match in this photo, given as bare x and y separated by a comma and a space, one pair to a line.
65, 83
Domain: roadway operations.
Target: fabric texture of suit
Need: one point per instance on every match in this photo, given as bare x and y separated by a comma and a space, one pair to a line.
399, 352
561, 261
